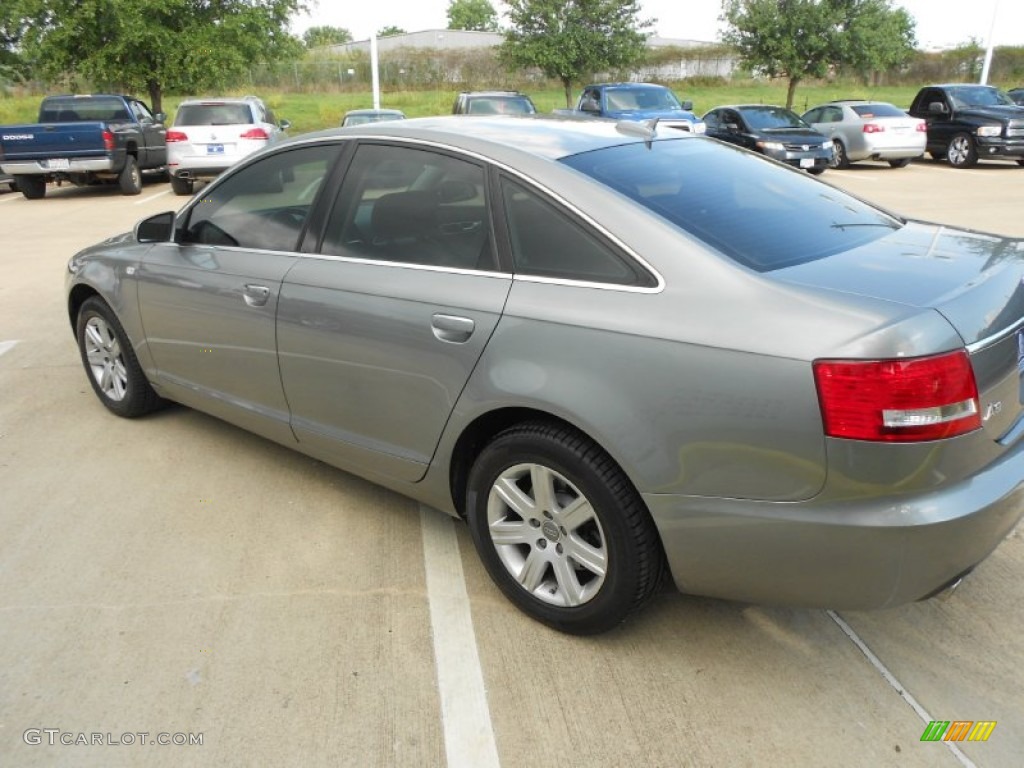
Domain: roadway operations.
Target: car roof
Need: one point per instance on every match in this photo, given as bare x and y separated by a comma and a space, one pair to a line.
374, 112
630, 85
549, 137
491, 93
748, 106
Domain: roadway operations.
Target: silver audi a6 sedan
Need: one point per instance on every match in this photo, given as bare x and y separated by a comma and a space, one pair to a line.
617, 352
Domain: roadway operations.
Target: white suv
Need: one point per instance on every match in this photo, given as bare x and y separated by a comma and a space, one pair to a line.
209, 135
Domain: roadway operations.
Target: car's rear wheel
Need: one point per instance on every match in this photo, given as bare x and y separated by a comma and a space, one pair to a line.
181, 186
815, 171
32, 187
130, 178
561, 530
110, 362
961, 152
903, 162
839, 157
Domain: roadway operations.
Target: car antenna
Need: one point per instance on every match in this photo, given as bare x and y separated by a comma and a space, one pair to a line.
645, 130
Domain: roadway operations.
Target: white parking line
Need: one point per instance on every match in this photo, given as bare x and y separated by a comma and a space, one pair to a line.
6, 346
901, 689
468, 735
145, 200
10, 196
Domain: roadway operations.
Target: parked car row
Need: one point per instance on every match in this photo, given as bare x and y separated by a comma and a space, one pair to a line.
85, 139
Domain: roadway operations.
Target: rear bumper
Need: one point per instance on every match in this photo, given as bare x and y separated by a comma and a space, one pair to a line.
75, 165
868, 553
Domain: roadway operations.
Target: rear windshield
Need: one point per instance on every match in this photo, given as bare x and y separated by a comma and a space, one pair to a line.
878, 110
213, 114
500, 105
73, 110
756, 212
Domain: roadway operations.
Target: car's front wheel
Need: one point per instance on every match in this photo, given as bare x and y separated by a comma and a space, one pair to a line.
839, 157
130, 178
110, 362
903, 162
561, 530
961, 152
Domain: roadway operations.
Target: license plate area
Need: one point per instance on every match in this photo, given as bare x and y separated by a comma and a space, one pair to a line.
58, 164
806, 162
215, 149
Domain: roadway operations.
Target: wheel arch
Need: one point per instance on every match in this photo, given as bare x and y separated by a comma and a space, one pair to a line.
76, 298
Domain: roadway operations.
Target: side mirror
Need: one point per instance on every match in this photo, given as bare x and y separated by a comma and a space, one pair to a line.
590, 105
156, 229
160, 117
938, 108
688, 105
732, 127
285, 124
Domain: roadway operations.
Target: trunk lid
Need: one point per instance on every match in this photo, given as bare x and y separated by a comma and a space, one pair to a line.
40, 141
975, 280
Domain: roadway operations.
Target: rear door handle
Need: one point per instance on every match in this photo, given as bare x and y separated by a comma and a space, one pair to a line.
255, 295
452, 328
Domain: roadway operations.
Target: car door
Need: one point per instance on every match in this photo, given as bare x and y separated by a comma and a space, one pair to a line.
940, 125
379, 330
153, 149
209, 301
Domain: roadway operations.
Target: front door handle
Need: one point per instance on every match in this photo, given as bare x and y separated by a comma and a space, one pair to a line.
452, 328
255, 295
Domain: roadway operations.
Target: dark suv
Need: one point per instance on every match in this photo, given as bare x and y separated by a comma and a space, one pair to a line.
493, 103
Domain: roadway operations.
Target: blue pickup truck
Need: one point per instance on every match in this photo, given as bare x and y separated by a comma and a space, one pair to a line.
84, 140
638, 102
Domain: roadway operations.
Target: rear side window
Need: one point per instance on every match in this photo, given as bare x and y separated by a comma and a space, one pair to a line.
547, 242
755, 212
412, 206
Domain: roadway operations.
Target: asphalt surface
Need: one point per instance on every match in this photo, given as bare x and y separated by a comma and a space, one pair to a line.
175, 577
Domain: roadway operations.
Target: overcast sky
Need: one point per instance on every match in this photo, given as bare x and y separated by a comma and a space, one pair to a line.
939, 22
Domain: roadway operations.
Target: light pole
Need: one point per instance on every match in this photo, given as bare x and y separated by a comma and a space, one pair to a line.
988, 51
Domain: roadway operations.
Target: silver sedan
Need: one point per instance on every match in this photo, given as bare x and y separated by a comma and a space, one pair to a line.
618, 353
869, 130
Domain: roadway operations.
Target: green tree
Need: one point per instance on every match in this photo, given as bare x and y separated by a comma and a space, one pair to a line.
478, 15
389, 31
573, 39
317, 37
799, 39
156, 45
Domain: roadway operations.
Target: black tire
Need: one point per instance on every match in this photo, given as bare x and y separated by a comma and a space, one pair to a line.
588, 565
130, 178
181, 186
839, 156
32, 187
1020, 161
815, 171
903, 162
961, 152
110, 362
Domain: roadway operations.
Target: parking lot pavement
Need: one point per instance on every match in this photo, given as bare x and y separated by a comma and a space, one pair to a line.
176, 575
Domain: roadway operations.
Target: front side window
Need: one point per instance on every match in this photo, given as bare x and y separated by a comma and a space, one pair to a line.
547, 242
759, 214
413, 206
264, 205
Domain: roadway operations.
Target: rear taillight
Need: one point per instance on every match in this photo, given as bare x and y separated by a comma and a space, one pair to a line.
108, 141
902, 400
872, 128
922, 127
255, 133
176, 136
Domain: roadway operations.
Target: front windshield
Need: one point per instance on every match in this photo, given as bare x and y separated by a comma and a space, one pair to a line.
979, 96
768, 118
756, 212
634, 99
